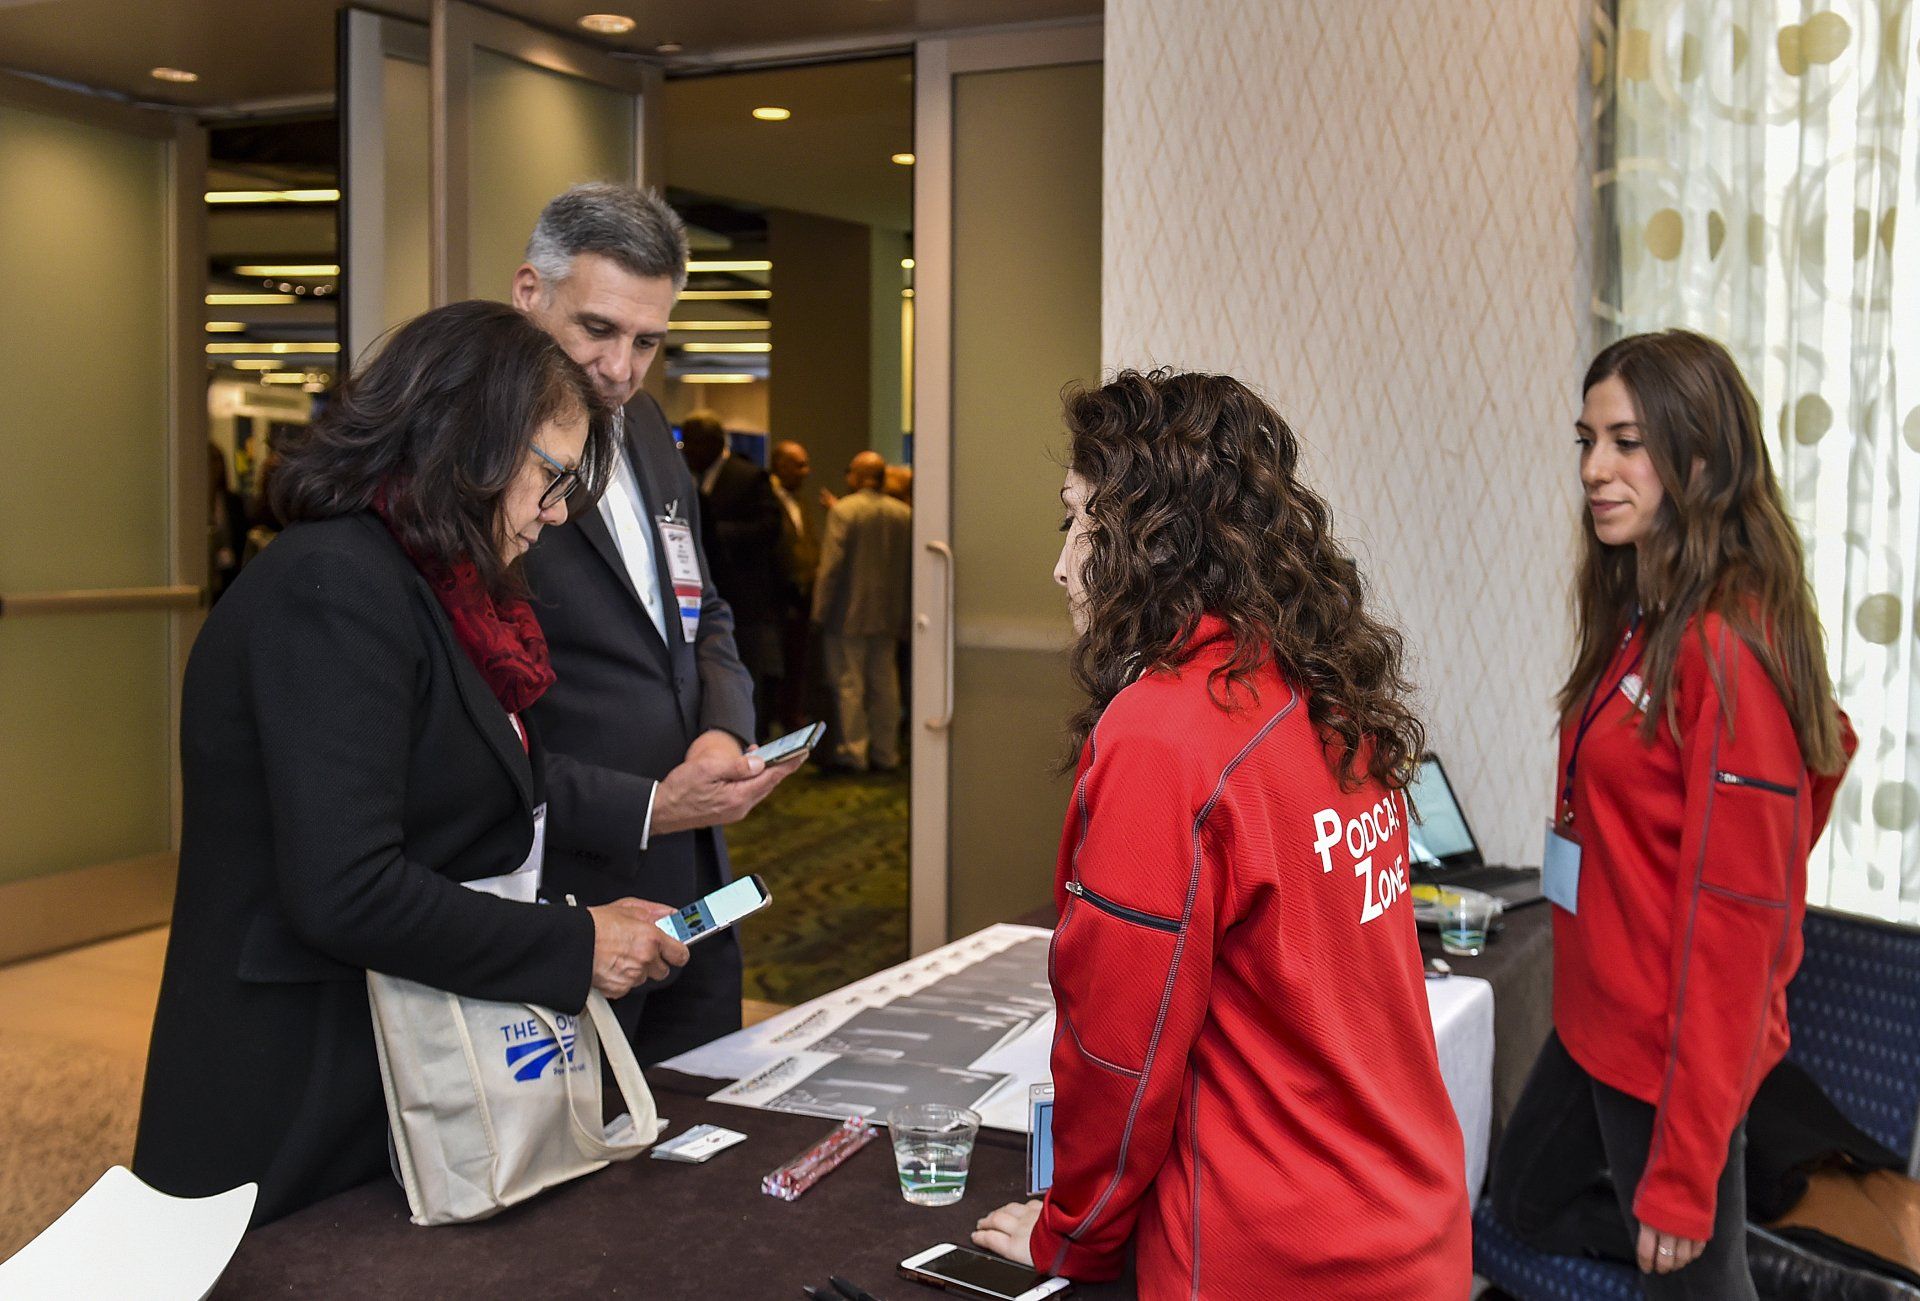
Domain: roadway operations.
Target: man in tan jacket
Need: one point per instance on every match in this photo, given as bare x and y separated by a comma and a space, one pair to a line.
860, 605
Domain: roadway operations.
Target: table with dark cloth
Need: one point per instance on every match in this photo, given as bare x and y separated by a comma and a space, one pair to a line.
645, 1228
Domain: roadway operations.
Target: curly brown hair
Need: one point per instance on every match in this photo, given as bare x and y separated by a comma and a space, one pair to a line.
1193, 508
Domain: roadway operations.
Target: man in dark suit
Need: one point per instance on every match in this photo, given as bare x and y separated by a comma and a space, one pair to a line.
799, 558
648, 677
742, 519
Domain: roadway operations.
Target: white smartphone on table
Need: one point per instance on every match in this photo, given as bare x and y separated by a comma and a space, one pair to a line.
976, 1274
716, 911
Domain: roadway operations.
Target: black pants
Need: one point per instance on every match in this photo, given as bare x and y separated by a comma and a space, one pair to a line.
1568, 1165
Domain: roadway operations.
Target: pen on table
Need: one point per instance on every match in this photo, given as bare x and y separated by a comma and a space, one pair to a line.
851, 1291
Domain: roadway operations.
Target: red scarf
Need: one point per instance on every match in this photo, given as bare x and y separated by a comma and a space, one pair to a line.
502, 638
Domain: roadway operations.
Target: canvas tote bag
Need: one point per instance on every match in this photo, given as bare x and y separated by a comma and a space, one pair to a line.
492, 1103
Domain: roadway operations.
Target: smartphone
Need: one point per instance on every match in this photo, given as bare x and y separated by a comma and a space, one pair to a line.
793, 743
716, 911
973, 1273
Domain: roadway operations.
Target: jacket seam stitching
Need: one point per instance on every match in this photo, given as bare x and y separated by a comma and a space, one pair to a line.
1097, 1060
1173, 972
1742, 896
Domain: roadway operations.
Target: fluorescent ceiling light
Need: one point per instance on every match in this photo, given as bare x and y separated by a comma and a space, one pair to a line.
718, 379
607, 24
226, 327
772, 113
726, 347
719, 325
750, 264
725, 295
905, 160
270, 349
298, 270
285, 377
248, 300
273, 196
254, 363
180, 75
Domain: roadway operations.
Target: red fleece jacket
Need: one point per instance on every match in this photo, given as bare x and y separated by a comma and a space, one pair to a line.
1244, 1063
1669, 984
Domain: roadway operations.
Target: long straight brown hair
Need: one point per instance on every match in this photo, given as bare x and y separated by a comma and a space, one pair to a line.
1721, 543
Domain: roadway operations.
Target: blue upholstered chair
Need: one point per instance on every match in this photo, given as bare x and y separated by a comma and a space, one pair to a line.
1855, 1011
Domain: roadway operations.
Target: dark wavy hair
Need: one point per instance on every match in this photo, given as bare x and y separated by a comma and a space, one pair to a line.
1193, 508
1722, 542
441, 421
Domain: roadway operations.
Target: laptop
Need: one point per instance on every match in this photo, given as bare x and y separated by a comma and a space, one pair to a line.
1443, 848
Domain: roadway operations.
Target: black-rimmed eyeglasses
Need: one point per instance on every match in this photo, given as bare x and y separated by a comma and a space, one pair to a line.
563, 484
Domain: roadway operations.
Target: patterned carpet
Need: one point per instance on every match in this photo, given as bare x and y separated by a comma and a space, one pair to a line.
833, 852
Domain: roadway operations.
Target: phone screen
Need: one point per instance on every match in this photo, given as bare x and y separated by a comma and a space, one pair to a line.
987, 1274
792, 743
723, 907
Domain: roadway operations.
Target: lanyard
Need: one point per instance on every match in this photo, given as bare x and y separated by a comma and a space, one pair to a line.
1596, 705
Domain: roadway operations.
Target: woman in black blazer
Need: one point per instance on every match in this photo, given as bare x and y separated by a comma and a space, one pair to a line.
352, 752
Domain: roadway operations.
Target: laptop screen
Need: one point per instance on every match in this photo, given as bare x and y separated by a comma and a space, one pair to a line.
1440, 829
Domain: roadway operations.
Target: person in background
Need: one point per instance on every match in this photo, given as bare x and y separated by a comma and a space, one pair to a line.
742, 519
650, 681
1700, 749
1245, 1077
799, 562
899, 483
860, 605
354, 746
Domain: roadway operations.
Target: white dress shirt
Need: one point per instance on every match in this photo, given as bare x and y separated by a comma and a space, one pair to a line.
623, 510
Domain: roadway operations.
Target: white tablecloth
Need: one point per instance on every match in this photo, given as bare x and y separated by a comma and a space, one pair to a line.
1462, 1009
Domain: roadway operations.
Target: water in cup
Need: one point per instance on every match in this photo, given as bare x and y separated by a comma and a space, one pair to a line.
932, 1173
1465, 916
932, 1146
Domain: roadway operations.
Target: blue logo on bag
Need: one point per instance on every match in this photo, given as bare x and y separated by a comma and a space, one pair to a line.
531, 1047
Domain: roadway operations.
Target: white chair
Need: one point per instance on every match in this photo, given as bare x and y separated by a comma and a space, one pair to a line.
124, 1239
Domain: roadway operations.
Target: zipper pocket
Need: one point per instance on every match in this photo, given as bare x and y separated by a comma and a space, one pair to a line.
1735, 779
1153, 921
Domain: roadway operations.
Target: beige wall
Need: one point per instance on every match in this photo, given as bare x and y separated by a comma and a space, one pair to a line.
1373, 212
819, 310
84, 495
741, 407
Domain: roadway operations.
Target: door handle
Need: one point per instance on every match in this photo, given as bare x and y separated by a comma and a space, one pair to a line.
945, 719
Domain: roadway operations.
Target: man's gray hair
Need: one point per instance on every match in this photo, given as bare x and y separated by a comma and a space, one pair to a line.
633, 227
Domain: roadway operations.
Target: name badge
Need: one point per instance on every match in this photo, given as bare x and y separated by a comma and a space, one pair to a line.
522, 885
1560, 871
683, 568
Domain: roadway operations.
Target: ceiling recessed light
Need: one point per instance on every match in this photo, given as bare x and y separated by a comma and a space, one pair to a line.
906, 264
174, 74
668, 47
772, 113
607, 24
905, 160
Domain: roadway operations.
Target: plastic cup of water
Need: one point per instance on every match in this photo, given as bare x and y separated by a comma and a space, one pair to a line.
932, 1146
1465, 916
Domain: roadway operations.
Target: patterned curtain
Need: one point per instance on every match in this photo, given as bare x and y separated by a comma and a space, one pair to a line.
1751, 158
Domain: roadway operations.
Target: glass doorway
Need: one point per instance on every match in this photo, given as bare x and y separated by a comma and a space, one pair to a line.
795, 334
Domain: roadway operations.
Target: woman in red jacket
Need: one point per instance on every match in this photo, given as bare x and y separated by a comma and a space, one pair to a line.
1699, 752
1244, 1065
